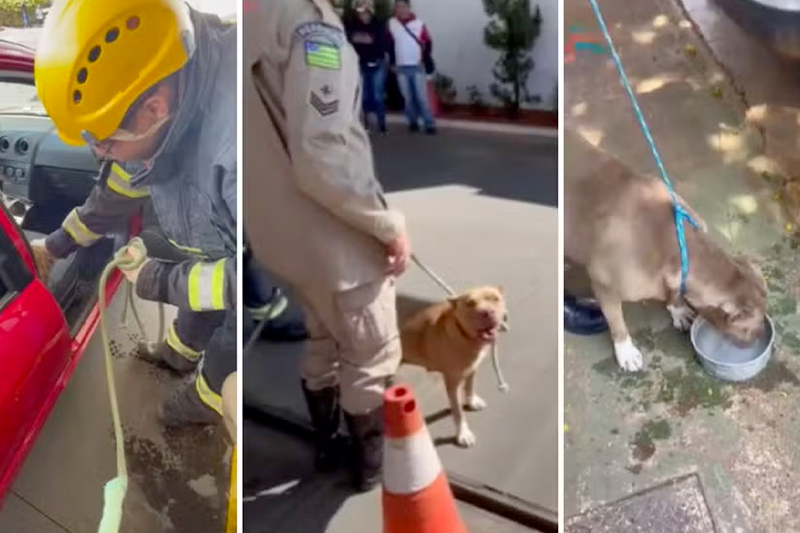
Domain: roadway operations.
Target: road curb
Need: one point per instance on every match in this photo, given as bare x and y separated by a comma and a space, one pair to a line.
485, 127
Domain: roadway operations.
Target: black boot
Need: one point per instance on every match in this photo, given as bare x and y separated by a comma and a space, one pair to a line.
161, 354
366, 434
323, 407
184, 407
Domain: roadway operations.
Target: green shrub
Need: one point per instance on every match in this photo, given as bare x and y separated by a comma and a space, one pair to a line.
11, 11
512, 30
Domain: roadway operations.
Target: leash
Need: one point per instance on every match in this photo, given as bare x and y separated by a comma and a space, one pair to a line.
679, 212
116, 489
502, 384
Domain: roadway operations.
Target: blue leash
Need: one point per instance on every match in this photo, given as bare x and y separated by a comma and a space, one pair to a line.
681, 215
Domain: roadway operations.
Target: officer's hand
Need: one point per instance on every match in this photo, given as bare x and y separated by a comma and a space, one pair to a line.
43, 258
398, 252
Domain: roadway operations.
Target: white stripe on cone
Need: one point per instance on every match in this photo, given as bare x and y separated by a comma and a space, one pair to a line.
410, 464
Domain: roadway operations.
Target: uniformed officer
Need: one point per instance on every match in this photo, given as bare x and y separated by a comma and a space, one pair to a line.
150, 86
313, 217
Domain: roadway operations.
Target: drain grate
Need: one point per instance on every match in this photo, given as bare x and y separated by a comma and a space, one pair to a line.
678, 505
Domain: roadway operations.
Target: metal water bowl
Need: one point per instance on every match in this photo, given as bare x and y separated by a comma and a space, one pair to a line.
774, 22
723, 359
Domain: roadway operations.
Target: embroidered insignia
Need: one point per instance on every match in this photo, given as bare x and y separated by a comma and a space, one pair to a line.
323, 108
322, 55
321, 33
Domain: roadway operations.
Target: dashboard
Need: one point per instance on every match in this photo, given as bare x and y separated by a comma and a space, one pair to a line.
32, 156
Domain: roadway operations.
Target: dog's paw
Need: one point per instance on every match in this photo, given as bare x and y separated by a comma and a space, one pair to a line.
475, 403
628, 356
465, 438
682, 316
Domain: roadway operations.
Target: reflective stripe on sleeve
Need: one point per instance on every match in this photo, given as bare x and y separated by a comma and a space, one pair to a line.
76, 229
174, 342
207, 286
119, 181
208, 396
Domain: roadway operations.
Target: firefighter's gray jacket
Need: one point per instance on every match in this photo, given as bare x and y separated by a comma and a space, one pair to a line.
191, 183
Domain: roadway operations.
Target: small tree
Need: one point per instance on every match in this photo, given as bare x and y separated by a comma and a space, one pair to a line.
513, 31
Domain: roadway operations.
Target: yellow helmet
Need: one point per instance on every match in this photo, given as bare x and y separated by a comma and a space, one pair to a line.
96, 57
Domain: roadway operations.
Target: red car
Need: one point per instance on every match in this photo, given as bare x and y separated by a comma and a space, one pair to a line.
45, 325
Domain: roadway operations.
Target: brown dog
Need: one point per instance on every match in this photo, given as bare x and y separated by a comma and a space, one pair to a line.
452, 337
621, 228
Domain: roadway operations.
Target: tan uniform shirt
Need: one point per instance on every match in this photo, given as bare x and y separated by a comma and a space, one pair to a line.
310, 195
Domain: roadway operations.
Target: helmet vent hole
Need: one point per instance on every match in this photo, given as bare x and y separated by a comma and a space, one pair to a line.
82, 75
132, 23
111, 35
77, 96
94, 54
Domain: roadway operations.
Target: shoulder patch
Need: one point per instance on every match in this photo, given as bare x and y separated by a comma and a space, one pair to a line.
322, 55
321, 33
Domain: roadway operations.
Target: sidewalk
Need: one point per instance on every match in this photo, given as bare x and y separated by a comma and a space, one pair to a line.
629, 433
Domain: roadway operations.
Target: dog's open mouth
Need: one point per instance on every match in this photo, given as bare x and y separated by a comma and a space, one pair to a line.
489, 334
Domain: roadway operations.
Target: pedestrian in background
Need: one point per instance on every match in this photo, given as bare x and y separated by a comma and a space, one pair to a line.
26, 21
411, 55
368, 35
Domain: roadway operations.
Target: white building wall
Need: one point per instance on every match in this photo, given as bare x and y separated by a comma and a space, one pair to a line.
457, 30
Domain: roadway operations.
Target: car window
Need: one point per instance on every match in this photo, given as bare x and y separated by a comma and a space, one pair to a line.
3, 292
14, 275
19, 96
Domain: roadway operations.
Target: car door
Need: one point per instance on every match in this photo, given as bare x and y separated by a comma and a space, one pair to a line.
34, 348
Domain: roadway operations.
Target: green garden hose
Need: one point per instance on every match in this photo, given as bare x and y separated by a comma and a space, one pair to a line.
116, 489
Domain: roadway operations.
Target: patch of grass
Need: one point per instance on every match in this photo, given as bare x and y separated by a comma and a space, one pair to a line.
783, 305
643, 443
644, 340
686, 390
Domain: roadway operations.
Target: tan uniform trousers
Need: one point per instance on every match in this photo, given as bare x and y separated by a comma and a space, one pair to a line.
354, 342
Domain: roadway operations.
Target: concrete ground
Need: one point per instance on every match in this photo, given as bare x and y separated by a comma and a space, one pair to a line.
178, 479
481, 209
628, 435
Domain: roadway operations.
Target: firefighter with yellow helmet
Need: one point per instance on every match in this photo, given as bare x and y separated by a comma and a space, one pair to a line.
151, 87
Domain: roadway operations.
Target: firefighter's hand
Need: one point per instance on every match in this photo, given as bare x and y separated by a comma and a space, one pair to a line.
135, 256
398, 252
43, 258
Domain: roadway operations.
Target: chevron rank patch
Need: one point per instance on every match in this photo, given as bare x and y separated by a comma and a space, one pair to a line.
322, 55
323, 108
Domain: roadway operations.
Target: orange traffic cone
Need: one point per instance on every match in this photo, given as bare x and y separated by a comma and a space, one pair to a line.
416, 494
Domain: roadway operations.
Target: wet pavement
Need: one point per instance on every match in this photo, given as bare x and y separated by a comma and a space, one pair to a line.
481, 209
178, 479
630, 433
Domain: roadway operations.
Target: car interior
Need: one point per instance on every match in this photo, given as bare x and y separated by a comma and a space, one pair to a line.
41, 181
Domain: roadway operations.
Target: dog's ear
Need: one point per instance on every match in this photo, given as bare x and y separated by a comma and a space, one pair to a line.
453, 300
500, 289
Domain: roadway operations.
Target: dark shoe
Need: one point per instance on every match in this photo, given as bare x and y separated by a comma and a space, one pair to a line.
284, 330
271, 310
161, 354
583, 318
366, 435
431, 130
413, 128
183, 407
383, 131
326, 416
